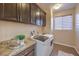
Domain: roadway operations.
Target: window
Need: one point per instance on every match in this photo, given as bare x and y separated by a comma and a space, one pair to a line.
77, 22
63, 23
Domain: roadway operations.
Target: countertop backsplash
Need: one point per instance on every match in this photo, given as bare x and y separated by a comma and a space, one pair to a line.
8, 30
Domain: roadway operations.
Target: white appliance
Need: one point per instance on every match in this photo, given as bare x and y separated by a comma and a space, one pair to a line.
44, 47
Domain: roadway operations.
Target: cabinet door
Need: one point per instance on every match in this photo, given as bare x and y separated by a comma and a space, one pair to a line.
27, 52
24, 13
43, 18
1, 10
18, 11
44, 24
10, 11
35, 14
38, 17
30, 54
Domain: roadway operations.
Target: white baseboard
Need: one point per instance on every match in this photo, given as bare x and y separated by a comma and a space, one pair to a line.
63, 44
68, 46
76, 50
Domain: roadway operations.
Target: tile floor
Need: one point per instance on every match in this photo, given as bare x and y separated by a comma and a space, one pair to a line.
60, 50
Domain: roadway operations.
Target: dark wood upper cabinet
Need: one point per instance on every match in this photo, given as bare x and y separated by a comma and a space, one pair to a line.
24, 13
33, 13
38, 16
28, 13
43, 18
1, 10
10, 11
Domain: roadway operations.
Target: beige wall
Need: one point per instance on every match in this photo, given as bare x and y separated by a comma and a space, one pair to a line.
77, 29
65, 37
9, 30
48, 22
46, 8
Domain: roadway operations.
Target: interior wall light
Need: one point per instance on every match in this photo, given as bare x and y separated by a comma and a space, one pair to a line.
57, 6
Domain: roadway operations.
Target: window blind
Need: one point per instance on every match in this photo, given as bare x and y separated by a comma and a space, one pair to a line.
63, 23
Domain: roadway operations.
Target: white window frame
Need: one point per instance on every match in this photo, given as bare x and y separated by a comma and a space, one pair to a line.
63, 28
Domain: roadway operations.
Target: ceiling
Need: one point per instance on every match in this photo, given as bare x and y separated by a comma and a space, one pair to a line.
65, 6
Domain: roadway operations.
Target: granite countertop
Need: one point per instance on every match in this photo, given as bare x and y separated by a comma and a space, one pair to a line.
5, 51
